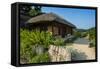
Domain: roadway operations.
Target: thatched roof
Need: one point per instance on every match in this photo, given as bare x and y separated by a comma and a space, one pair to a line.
49, 17
24, 17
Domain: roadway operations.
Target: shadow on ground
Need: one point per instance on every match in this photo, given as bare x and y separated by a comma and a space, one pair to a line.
77, 55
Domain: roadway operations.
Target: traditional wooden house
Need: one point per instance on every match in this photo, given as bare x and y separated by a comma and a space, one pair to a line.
52, 23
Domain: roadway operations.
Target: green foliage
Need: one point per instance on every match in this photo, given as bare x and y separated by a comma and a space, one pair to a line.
91, 33
92, 38
80, 33
30, 10
41, 38
48, 38
84, 34
92, 43
25, 47
35, 11
77, 34
36, 37
28, 39
24, 9
40, 58
58, 41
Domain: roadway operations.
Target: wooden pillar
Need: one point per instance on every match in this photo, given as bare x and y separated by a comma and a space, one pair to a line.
52, 31
59, 30
71, 31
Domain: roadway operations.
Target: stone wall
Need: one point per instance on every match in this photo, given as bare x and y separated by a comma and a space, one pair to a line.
58, 53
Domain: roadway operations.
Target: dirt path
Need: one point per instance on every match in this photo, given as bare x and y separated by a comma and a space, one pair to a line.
89, 52
82, 46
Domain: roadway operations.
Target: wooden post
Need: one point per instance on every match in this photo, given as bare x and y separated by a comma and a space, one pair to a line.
52, 31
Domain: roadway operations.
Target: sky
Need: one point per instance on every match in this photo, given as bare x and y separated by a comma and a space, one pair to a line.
81, 18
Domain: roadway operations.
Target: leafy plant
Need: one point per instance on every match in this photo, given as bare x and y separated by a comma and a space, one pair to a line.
58, 41
33, 39
92, 43
41, 38
25, 45
77, 34
92, 38
35, 11
40, 58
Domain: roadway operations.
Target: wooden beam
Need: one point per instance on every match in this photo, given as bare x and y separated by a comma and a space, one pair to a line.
52, 30
71, 31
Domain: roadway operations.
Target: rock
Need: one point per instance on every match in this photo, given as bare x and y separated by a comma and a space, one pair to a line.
39, 49
58, 53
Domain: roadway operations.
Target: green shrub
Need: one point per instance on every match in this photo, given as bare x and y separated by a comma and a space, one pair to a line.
41, 38
40, 58
31, 40
28, 39
46, 39
25, 45
84, 34
92, 43
92, 38
77, 34
58, 41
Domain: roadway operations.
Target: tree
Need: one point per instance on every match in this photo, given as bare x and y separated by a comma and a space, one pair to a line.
35, 11
25, 9
30, 10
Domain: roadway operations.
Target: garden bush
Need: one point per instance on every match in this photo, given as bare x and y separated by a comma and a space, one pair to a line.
40, 58
33, 39
25, 45
59, 41
92, 43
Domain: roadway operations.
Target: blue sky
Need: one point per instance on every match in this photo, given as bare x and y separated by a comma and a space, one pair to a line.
81, 18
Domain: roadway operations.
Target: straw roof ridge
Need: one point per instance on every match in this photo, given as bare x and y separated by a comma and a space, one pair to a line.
49, 17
